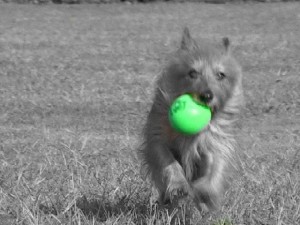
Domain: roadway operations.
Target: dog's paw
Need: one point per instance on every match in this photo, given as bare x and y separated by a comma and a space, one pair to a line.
205, 196
178, 187
176, 183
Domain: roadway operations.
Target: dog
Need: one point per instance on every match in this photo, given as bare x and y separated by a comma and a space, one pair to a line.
194, 165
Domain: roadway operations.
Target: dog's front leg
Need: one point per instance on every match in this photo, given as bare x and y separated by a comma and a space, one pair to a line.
166, 172
208, 189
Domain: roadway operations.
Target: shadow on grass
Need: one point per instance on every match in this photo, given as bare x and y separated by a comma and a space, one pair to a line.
137, 212
102, 210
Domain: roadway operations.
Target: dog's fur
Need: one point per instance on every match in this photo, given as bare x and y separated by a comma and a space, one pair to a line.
194, 165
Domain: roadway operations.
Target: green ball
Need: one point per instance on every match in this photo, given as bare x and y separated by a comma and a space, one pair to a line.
188, 116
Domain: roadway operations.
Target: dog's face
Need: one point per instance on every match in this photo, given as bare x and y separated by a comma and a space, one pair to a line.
208, 72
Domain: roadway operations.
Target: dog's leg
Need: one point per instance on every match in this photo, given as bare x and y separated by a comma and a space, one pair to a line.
166, 172
208, 189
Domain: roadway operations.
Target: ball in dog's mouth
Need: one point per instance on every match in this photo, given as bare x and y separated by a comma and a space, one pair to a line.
189, 115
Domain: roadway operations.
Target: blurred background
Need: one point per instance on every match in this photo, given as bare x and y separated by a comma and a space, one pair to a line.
76, 84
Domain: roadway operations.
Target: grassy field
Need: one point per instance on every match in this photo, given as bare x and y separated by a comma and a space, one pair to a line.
77, 82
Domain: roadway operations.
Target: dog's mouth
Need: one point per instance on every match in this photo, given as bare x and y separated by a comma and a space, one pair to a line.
197, 97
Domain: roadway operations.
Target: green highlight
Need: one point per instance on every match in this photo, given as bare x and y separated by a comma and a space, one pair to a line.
188, 116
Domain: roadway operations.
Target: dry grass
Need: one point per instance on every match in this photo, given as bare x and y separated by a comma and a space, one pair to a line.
77, 81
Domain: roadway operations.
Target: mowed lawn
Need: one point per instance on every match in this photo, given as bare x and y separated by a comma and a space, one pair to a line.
77, 82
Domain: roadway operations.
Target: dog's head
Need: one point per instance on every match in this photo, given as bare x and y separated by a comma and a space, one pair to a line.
205, 70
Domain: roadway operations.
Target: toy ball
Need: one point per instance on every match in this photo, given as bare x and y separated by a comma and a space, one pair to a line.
189, 116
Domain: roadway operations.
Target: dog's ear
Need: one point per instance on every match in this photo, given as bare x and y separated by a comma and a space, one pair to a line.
226, 44
187, 42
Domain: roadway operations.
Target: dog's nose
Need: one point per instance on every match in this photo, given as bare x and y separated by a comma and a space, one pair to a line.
206, 96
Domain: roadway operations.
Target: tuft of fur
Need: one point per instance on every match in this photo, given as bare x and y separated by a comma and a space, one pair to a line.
195, 165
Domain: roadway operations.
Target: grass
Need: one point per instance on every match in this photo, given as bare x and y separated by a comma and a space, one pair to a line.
77, 82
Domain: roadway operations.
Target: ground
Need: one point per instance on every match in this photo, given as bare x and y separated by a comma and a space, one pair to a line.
77, 83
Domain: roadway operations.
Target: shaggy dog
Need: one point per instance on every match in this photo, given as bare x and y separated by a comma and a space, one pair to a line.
195, 165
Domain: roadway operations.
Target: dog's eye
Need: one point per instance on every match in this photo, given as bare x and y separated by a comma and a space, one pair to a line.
192, 73
220, 75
